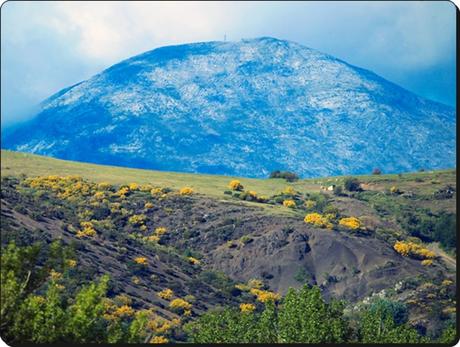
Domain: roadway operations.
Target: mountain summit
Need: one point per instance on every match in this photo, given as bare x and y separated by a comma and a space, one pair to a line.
241, 108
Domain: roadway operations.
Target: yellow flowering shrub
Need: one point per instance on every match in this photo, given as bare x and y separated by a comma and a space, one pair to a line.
289, 191
88, 231
160, 231
427, 262
99, 195
133, 186
350, 222
86, 224
318, 220
235, 185
122, 192
186, 191
135, 280
124, 311
447, 282
65, 187
265, 295
156, 191
153, 238
148, 205
289, 203
55, 275
252, 193
402, 248
137, 219
414, 250
104, 186
71, 263
180, 304
194, 261
115, 207
247, 308
424, 253
159, 325
394, 190
166, 294
159, 339
145, 187
255, 283
141, 260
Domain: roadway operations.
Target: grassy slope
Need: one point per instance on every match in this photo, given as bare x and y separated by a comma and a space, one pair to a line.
16, 163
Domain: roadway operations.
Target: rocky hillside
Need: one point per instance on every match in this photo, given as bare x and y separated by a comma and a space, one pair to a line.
241, 108
392, 237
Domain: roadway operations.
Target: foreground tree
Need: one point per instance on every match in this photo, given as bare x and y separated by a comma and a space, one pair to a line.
302, 317
385, 323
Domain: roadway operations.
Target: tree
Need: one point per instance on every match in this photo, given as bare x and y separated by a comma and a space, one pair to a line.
378, 325
307, 318
352, 184
41, 319
288, 176
376, 171
85, 323
302, 317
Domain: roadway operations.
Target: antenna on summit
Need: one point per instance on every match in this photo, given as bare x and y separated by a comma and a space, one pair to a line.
225, 37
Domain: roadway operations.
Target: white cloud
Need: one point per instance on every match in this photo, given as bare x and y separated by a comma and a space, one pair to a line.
109, 31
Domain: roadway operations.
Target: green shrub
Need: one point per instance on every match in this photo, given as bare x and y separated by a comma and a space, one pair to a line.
352, 184
288, 176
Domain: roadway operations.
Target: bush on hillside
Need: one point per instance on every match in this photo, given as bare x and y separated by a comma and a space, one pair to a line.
352, 184
288, 176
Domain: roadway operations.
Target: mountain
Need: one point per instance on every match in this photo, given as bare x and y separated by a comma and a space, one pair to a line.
241, 108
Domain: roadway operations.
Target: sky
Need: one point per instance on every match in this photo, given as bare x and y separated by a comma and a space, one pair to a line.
47, 46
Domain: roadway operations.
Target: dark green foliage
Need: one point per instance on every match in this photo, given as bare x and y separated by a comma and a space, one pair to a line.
378, 325
39, 308
352, 184
302, 317
416, 221
395, 309
429, 227
306, 318
449, 335
288, 176
445, 230
227, 326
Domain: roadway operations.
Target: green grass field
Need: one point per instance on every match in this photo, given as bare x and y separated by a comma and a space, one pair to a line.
17, 163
